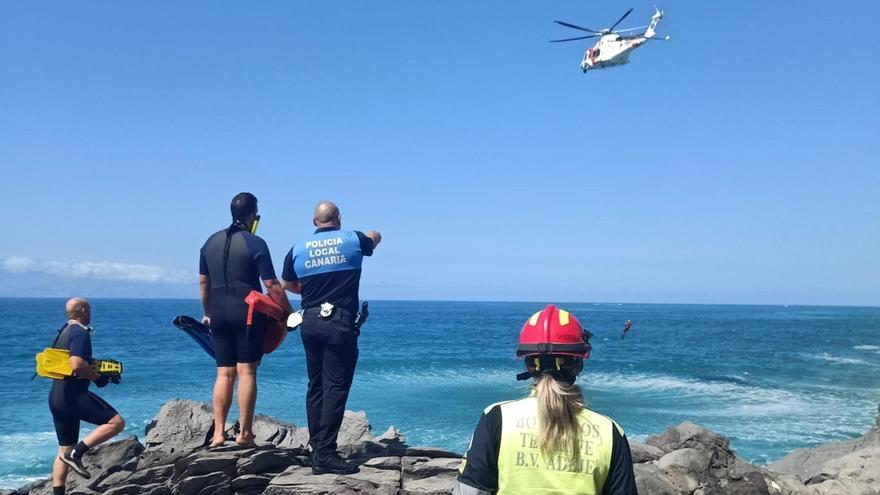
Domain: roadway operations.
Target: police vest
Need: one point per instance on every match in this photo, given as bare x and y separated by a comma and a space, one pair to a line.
524, 468
327, 251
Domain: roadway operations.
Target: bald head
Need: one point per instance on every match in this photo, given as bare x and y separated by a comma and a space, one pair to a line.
327, 215
79, 309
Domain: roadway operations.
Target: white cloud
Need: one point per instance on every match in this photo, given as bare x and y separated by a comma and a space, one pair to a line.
99, 270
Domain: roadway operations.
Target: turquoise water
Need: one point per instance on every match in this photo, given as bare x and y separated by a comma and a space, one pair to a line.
771, 378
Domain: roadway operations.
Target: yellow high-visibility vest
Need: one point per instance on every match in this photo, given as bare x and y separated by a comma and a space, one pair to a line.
524, 469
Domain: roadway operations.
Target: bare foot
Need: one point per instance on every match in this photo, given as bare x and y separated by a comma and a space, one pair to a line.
245, 439
217, 441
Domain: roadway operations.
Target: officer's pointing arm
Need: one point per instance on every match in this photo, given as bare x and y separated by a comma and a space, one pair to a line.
375, 236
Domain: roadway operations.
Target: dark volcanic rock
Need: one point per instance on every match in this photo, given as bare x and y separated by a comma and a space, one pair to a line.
213, 483
690, 436
807, 463
643, 452
180, 427
155, 474
431, 452
269, 461
116, 459
205, 462
268, 430
139, 489
300, 480
684, 460
424, 475
251, 484
851, 467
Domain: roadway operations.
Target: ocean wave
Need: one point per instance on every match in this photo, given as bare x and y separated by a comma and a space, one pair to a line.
30, 438
438, 376
11, 482
867, 347
837, 359
739, 398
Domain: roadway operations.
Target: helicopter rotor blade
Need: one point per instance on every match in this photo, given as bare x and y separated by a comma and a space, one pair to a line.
577, 27
637, 28
575, 39
620, 20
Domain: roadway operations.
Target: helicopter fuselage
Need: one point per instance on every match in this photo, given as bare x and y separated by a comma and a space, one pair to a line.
610, 51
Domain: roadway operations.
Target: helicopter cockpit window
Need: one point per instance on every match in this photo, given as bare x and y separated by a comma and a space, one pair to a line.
596, 52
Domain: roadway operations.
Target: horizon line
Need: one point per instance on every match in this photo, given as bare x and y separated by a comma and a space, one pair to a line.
490, 301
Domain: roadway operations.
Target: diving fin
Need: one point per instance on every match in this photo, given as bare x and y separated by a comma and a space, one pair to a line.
197, 331
55, 364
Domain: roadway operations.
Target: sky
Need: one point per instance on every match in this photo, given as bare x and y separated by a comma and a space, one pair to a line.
735, 163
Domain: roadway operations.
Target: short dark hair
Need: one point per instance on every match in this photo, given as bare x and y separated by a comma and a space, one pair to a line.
243, 205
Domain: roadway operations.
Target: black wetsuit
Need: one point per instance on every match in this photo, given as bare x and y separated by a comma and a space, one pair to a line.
235, 260
69, 399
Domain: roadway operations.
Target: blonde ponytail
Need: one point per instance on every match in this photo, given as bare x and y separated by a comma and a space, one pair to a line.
559, 405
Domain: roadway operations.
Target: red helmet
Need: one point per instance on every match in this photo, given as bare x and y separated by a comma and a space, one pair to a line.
553, 331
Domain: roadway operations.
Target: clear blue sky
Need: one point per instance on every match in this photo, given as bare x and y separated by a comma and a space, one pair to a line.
737, 163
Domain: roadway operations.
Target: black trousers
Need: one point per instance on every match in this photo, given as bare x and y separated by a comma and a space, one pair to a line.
331, 355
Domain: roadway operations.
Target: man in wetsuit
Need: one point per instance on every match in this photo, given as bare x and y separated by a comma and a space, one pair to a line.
326, 269
71, 402
231, 264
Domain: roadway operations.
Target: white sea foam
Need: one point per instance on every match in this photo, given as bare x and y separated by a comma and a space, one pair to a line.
25, 453
724, 398
837, 359
866, 347
24, 439
12, 482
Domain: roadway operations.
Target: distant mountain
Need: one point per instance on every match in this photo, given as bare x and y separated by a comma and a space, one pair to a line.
44, 285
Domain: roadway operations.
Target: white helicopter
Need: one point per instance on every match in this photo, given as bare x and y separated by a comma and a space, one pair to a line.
613, 49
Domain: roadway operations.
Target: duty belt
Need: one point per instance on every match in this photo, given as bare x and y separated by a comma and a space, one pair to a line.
327, 311
328, 314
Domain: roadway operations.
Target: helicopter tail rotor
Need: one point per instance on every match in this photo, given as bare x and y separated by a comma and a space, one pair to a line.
655, 19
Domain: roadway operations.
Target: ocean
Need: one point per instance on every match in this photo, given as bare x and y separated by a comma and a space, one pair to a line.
772, 378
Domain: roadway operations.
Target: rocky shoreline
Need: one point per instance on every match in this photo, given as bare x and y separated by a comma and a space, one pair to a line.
685, 459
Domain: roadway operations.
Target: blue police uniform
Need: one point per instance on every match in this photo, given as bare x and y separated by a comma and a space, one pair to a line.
328, 266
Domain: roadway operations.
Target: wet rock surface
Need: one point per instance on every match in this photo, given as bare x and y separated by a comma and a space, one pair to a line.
685, 459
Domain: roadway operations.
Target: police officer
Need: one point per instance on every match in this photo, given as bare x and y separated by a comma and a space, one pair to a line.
326, 269
548, 442
71, 402
231, 264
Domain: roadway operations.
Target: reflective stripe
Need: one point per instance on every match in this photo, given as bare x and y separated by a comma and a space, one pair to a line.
563, 317
523, 468
534, 319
